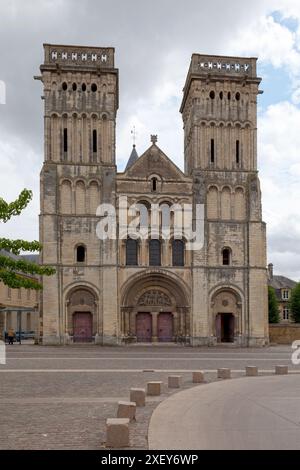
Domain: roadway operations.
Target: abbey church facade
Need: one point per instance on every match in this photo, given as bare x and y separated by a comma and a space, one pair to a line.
153, 289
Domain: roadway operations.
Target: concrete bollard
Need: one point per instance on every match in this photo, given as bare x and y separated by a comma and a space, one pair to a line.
154, 388
281, 370
251, 371
198, 377
174, 381
224, 373
117, 432
126, 409
138, 396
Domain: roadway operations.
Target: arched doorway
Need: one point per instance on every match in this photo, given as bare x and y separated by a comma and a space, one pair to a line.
82, 315
225, 327
155, 309
226, 315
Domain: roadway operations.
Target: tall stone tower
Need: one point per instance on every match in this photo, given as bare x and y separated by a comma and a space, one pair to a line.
219, 112
81, 101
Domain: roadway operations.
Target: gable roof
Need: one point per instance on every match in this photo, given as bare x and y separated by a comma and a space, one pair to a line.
154, 161
282, 282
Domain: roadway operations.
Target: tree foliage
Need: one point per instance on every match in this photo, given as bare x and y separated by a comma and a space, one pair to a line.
14, 272
274, 316
294, 303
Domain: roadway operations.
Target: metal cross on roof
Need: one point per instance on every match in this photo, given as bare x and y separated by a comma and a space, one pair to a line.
153, 139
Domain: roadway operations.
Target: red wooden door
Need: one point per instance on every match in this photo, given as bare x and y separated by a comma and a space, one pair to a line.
144, 327
83, 330
165, 327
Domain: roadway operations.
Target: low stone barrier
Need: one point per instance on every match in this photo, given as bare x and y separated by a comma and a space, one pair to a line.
154, 388
117, 432
281, 370
138, 396
174, 381
126, 409
198, 377
224, 373
251, 371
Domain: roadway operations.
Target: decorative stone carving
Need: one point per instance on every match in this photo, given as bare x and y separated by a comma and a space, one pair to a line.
154, 297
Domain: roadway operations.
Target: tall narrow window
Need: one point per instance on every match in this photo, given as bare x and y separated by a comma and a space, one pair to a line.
131, 252
178, 253
80, 254
65, 139
237, 152
212, 151
94, 141
154, 184
154, 253
226, 256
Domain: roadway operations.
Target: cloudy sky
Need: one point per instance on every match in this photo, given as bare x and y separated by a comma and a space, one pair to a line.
154, 42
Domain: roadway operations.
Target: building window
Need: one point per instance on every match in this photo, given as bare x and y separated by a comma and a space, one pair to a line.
212, 151
226, 255
80, 254
212, 95
154, 253
28, 294
131, 252
9, 293
65, 139
178, 253
94, 87
94, 141
286, 313
154, 184
237, 152
285, 295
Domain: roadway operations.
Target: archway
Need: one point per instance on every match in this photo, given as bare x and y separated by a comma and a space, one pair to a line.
81, 315
155, 308
226, 315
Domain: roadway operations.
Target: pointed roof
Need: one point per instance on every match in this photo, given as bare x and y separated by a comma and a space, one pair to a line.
133, 158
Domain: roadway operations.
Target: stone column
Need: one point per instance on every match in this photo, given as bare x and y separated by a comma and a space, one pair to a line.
127, 322
154, 327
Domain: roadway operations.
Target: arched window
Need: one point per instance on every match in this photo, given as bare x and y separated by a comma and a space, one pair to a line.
94, 141
80, 254
154, 253
154, 184
226, 254
178, 253
131, 252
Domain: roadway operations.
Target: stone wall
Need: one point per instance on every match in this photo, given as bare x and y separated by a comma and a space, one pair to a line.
284, 334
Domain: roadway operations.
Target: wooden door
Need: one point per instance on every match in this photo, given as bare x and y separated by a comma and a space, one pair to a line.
165, 327
83, 327
144, 327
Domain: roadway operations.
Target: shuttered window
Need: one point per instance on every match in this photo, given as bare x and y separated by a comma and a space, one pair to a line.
131, 252
154, 253
178, 253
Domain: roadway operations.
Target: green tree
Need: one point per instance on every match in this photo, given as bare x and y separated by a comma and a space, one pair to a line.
11, 270
294, 304
274, 316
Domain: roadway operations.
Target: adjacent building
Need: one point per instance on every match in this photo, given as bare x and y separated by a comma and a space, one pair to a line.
19, 307
283, 288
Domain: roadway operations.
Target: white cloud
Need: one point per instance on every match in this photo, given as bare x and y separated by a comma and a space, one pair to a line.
279, 155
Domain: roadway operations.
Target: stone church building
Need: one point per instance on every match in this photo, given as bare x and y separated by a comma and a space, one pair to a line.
122, 290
